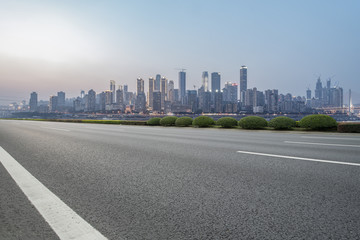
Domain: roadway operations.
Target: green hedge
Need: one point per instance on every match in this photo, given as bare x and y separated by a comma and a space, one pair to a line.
183, 122
168, 121
349, 127
203, 121
154, 121
282, 123
318, 122
227, 122
253, 122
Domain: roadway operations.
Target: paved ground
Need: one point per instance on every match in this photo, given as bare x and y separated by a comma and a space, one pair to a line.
138, 182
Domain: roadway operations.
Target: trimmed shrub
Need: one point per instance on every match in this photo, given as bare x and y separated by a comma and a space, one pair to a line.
203, 121
253, 122
318, 122
168, 121
227, 122
297, 124
349, 127
132, 122
153, 121
183, 122
282, 123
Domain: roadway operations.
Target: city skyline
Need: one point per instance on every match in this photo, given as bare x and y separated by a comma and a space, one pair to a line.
166, 99
55, 46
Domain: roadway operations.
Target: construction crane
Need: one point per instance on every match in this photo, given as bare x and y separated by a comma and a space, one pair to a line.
180, 69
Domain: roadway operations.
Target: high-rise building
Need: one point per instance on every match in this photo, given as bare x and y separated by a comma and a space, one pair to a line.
218, 101
170, 91
249, 99
215, 82
33, 102
259, 98
308, 94
192, 100
102, 101
205, 81
157, 82
108, 97
271, 100
126, 95
77, 104
61, 99
139, 86
53, 104
243, 82
91, 101
350, 102
112, 89
230, 92
182, 86
120, 96
336, 97
164, 83
151, 90
205, 102
318, 89
140, 103
176, 95
157, 101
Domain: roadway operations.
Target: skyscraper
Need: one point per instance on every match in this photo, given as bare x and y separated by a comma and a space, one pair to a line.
218, 101
120, 96
112, 89
151, 90
157, 82
157, 101
170, 91
163, 87
61, 99
33, 102
318, 89
205, 81
91, 101
108, 97
308, 94
215, 82
230, 92
271, 100
126, 95
139, 86
192, 100
53, 104
140, 103
243, 82
182, 85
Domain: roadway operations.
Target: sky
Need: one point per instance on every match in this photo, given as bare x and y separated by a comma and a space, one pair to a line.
50, 46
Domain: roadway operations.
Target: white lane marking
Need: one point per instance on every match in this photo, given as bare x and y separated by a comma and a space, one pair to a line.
61, 218
300, 158
323, 144
59, 129
336, 138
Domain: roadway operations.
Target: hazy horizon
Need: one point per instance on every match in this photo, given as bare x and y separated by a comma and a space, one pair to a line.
51, 46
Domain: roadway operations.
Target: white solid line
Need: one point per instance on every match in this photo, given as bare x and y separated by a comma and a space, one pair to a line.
59, 129
323, 144
300, 158
61, 218
336, 138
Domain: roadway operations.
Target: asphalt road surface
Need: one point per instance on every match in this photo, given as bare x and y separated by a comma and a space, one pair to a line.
139, 182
